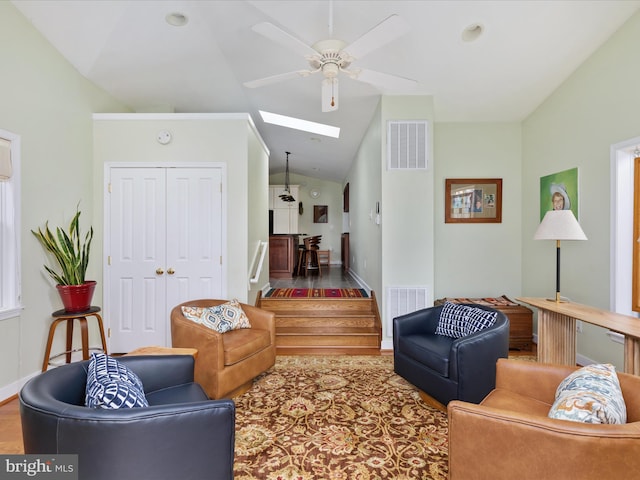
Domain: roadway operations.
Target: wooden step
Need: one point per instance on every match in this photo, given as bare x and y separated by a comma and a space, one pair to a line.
325, 325
328, 337
293, 320
316, 306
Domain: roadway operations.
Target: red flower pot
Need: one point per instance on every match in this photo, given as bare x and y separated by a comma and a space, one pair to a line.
77, 298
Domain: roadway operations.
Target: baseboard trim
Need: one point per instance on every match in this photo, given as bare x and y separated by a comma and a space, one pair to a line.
9, 391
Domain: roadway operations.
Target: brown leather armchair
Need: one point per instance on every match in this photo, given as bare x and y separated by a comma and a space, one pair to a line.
227, 363
509, 435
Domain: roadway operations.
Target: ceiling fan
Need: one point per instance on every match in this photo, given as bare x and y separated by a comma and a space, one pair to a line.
332, 56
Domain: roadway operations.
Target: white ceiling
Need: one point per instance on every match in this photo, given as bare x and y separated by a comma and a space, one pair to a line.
526, 50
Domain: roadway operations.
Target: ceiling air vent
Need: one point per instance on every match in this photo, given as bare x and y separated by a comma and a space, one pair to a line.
407, 145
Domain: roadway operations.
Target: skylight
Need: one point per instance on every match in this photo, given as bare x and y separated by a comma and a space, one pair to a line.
298, 124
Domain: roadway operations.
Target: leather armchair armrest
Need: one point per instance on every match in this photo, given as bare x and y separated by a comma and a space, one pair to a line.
152, 442
208, 342
531, 379
421, 321
488, 443
160, 371
470, 356
261, 319
188, 334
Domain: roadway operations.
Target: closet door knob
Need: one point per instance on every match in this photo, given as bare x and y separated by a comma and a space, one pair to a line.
159, 271
171, 271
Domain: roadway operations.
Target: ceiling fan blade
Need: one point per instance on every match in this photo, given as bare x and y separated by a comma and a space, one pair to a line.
279, 36
384, 80
386, 31
261, 82
329, 94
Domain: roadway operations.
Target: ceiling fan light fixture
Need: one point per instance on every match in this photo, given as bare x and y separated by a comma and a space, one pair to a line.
332, 56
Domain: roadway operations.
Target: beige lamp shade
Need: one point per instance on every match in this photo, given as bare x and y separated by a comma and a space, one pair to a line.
559, 225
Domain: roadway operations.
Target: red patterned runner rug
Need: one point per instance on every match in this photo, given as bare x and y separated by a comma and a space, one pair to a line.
337, 417
317, 293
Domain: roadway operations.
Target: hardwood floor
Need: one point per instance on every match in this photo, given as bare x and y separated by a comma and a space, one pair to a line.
10, 428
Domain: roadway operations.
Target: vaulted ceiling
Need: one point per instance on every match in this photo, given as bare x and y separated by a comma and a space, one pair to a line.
480, 60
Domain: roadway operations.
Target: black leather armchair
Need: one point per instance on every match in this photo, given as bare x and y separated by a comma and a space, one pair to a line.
182, 434
447, 368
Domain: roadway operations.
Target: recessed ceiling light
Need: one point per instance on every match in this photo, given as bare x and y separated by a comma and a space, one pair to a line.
176, 19
472, 32
298, 124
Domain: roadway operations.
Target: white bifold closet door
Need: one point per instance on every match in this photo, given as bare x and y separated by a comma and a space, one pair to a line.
164, 232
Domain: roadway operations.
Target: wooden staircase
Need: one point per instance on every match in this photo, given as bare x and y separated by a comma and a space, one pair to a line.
325, 325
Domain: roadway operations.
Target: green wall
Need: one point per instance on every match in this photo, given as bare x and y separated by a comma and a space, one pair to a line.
49, 104
597, 106
479, 259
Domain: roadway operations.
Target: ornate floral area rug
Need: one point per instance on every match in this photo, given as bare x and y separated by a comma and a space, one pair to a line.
337, 418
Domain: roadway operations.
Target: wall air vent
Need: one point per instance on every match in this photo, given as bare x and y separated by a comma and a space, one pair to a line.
401, 300
407, 145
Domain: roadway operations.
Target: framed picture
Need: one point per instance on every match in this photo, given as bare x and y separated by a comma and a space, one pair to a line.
320, 214
473, 200
559, 191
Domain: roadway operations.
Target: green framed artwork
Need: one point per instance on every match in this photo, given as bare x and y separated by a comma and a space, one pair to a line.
559, 191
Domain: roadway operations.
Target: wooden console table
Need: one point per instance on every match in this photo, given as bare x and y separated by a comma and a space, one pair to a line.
557, 331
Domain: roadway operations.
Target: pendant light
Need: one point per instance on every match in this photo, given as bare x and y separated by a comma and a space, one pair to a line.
286, 196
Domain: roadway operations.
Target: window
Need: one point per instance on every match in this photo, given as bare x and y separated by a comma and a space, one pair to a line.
9, 224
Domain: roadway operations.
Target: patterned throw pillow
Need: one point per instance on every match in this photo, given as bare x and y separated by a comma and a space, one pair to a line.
110, 384
452, 321
479, 319
591, 394
193, 313
221, 318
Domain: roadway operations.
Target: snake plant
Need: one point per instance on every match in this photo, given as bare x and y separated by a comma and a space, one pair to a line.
70, 251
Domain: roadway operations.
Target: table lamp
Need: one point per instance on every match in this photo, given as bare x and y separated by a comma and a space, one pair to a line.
559, 225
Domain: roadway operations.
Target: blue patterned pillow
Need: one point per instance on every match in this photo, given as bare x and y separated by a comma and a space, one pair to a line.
221, 318
453, 320
479, 319
591, 394
110, 384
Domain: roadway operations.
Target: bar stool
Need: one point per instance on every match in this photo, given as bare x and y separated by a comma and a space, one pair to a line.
64, 316
301, 250
310, 259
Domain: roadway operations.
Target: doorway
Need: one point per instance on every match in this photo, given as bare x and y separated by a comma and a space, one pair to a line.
622, 179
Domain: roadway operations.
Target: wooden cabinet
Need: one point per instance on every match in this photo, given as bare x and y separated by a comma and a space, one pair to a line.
285, 214
345, 198
285, 221
520, 318
345, 251
283, 250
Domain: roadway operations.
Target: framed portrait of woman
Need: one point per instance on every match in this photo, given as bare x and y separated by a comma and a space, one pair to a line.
559, 191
